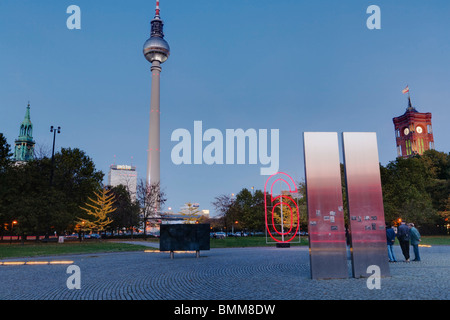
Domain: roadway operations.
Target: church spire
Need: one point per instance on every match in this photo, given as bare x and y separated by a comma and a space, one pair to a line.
24, 145
27, 119
26, 128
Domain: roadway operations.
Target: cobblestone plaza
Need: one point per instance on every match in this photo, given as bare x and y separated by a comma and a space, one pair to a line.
220, 274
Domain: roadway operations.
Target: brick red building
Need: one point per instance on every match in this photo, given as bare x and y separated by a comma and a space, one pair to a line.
413, 132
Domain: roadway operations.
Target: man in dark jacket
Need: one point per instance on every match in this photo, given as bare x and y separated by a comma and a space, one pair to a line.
390, 237
403, 238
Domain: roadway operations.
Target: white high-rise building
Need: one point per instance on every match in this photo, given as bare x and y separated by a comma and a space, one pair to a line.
124, 175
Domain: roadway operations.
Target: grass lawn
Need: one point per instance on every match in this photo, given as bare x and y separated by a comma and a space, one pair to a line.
32, 249
231, 242
239, 242
42, 249
436, 240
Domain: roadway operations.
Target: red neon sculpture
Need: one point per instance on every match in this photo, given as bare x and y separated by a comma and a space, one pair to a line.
281, 200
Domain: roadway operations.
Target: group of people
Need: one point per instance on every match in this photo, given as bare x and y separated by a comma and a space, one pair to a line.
406, 234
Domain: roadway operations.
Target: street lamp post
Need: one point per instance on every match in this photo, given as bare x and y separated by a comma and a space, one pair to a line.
54, 130
12, 226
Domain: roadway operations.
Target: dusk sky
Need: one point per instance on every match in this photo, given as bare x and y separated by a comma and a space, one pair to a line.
297, 66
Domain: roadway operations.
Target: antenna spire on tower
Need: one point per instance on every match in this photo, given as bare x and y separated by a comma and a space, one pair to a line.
157, 24
157, 9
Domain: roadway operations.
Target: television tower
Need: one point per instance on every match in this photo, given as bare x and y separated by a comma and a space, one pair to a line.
156, 51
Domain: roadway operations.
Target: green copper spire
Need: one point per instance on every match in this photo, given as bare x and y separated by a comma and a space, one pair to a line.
24, 145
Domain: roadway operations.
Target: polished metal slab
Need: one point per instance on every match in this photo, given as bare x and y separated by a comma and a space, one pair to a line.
365, 203
326, 227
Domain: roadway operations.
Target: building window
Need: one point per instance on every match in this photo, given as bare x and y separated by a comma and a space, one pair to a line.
408, 147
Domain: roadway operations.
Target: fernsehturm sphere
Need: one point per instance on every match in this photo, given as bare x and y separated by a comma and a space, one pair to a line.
156, 51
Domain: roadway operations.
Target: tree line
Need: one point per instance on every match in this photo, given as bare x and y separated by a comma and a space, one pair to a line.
415, 189
32, 204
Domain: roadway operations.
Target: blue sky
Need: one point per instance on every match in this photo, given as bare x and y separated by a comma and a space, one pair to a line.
291, 65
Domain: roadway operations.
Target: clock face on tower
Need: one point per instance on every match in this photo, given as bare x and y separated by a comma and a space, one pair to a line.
406, 131
419, 130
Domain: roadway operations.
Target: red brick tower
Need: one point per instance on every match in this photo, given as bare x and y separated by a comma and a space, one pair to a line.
413, 132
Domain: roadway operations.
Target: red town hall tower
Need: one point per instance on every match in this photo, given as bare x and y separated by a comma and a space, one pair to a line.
413, 132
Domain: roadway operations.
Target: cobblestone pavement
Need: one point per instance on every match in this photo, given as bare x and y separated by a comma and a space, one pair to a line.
219, 274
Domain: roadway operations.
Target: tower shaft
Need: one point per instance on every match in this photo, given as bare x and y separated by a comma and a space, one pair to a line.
154, 150
156, 51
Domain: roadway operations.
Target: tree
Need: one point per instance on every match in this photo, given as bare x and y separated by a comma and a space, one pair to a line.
42, 151
289, 221
5, 153
28, 199
225, 205
127, 211
190, 212
98, 211
75, 174
5, 160
76, 177
406, 194
302, 205
445, 214
41, 209
437, 164
247, 208
150, 198
250, 209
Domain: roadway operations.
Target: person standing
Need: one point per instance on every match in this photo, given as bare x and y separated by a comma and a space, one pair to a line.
390, 236
403, 233
415, 240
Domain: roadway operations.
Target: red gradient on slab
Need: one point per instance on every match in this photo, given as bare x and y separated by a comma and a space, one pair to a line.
326, 226
365, 202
